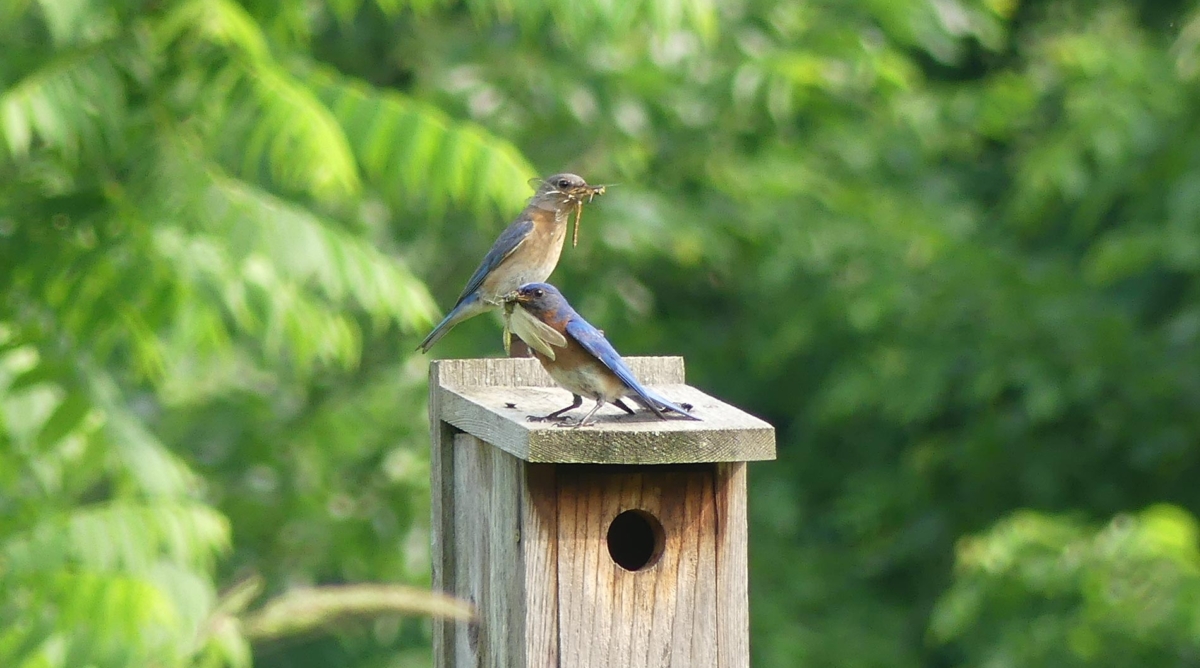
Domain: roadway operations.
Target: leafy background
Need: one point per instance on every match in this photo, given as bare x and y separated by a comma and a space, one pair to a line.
950, 248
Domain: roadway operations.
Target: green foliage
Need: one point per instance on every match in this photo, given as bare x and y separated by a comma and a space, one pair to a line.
106, 554
398, 140
1124, 595
185, 218
948, 248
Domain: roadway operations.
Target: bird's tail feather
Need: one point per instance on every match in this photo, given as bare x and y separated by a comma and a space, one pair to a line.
467, 308
658, 403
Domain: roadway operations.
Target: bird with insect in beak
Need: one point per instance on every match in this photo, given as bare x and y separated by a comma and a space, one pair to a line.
576, 354
526, 252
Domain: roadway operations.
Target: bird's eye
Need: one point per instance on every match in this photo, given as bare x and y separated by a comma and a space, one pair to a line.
563, 183
539, 293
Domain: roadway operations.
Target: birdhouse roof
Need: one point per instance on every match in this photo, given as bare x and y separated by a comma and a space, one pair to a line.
492, 400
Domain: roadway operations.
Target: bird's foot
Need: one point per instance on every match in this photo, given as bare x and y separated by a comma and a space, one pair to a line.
549, 418
572, 423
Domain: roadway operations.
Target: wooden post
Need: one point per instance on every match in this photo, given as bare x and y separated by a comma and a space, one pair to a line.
622, 544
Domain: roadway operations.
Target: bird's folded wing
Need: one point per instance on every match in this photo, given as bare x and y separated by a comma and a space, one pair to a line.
594, 342
512, 237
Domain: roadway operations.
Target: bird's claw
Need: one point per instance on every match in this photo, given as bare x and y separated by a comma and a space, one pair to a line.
548, 418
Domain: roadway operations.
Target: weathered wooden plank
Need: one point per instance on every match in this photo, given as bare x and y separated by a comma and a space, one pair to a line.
663, 615
441, 527
471, 549
505, 564
733, 596
539, 548
493, 399
724, 434
500, 416
527, 372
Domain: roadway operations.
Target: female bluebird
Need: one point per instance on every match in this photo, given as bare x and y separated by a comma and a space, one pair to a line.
526, 252
576, 354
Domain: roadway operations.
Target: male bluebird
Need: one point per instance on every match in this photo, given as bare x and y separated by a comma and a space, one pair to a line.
526, 252
576, 354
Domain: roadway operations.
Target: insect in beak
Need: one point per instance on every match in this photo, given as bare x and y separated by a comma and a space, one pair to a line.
592, 192
578, 217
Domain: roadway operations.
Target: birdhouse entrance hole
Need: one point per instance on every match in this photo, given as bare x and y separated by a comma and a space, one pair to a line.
635, 540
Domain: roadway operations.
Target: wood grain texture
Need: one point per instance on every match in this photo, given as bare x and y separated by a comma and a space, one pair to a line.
663, 615
733, 594
539, 546
493, 399
528, 372
472, 552
441, 526
505, 558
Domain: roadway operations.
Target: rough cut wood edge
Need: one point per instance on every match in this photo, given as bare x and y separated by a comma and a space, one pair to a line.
733, 594
527, 372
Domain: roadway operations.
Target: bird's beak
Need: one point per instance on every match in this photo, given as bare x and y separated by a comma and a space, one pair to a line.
585, 192
511, 298
588, 192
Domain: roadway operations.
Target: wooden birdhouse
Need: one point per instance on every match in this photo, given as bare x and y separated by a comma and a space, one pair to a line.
620, 544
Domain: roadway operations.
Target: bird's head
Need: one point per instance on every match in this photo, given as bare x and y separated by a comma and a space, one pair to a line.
565, 190
539, 321
564, 193
536, 298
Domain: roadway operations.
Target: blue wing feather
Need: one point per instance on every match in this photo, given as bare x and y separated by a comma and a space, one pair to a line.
594, 342
509, 239
469, 303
